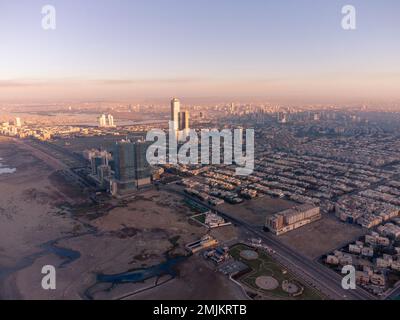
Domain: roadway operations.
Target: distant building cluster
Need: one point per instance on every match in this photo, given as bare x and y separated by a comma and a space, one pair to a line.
106, 121
367, 209
17, 129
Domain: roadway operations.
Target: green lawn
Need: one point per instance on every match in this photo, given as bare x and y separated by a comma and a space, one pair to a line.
201, 218
266, 266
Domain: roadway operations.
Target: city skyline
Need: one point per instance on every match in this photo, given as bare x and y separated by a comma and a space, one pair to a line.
236, 151
289, 52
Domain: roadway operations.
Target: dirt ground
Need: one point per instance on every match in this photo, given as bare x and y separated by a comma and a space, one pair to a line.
27, 204
38, 206
28, 201
160, 211
256, 210
321, 237
196, 281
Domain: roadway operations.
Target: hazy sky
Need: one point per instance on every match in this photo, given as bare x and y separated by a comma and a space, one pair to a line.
289, 50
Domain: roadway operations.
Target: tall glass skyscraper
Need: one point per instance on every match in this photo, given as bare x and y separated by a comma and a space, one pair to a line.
184, 120
142, 167
131, 167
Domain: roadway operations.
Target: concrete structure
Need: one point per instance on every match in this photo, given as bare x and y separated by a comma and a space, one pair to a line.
213, 220
175, 109
367, 252
389, 230
97, 158
96, 162
293, 218
103, 174
184, 121
204, 243
102, 121
18, 122
218, 255
331, 259
110, 119
106, 121
132, 170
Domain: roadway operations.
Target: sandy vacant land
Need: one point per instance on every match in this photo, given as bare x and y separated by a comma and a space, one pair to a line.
160, 211
256, 210
321, 237
195, 279
28, 199
41, 214
152, 211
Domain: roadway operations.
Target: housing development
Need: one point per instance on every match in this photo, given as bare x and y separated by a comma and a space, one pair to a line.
233, 151
304, 185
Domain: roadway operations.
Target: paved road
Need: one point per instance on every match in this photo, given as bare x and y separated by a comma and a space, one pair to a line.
53, 162
325, 279
394, 293
50, 160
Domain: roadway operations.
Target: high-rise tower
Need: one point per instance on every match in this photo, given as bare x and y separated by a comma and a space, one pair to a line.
175, 109
110, 119
102, 121
18, 122
131, 167
184, 120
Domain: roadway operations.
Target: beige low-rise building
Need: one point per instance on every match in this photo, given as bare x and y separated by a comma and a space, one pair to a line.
395, 265
362, 278
333, 260
367, 252
346, 259
382, 263
355, 248
378, 279
293, 218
